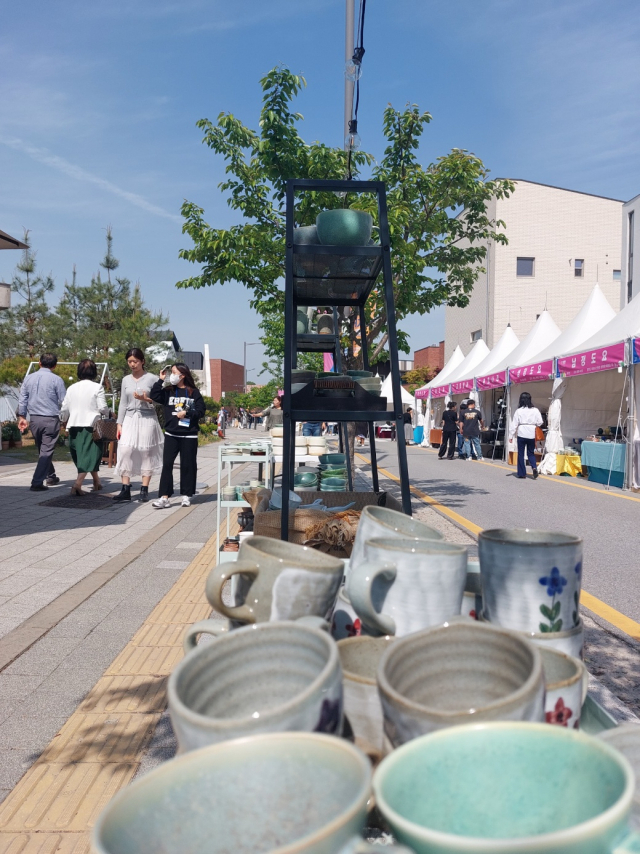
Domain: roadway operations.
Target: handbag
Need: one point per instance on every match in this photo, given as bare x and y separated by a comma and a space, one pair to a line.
539, 434
105, 429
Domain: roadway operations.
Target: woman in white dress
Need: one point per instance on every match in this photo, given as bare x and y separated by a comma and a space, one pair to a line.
140, 439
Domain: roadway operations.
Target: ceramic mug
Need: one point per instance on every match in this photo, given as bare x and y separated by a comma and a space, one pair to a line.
472, 598
566, 682
570, 642
458, 673
270, 677
276, 581
381, 522
531, 579
406, 585
345, 623
299, 793
360, 657
507, 787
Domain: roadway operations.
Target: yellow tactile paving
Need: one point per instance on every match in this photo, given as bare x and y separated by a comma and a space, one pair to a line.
143, 694
99, 748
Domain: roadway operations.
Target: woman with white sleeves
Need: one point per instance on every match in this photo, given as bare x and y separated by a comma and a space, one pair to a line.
523, 425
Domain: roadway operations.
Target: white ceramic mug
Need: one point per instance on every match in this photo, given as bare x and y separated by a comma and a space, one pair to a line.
566, 682
276, 581
270, 677
531, 580
381, 522
405, 585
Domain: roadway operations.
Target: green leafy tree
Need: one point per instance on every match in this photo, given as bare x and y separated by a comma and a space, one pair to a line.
438, 223
26, 328
417, 377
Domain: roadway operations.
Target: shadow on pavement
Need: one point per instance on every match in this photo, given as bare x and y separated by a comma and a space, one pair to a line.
448, 489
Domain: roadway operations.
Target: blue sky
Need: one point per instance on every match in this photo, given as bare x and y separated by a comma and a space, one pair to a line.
100, 100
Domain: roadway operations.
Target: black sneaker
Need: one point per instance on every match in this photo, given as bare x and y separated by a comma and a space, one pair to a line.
38, 487
53, 481
535, 474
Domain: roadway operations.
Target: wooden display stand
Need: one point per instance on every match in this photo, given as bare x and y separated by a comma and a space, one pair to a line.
435, 436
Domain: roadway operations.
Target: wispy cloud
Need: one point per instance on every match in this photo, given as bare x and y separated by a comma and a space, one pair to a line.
80, 174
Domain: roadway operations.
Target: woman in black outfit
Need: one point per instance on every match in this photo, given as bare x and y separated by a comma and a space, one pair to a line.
449, 426
183, 408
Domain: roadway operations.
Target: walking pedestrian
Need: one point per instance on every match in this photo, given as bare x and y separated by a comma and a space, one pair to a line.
470, 424
140, 439
84, 402
408, 426
523, 426
183, 408
312, 428
41, 396
449, 426
362, 432
463, 409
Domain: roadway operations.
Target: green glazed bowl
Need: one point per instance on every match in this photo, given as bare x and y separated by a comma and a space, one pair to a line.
344, 227
305, 235
332, 458
305, 479
336, 482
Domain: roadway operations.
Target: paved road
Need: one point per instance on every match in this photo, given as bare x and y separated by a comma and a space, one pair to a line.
489, 495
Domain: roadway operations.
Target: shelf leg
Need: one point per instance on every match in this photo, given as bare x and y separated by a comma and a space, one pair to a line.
374, 458
345, 427
288, 447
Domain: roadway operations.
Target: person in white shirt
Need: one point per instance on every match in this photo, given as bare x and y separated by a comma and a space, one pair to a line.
83, 403
523, 425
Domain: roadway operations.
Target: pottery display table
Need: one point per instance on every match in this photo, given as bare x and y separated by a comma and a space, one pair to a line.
605, 461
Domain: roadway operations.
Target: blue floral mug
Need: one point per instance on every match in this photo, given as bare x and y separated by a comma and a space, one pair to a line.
531, 580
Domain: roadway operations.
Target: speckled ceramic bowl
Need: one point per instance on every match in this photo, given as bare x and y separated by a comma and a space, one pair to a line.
272, 677
458, 673
283, 793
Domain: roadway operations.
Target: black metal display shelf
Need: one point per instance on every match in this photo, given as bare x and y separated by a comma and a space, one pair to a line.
338, 276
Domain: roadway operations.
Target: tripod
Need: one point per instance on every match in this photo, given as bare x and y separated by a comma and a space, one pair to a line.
501, 417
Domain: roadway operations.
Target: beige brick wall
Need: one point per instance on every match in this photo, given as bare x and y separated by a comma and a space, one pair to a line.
555, 227
632, 206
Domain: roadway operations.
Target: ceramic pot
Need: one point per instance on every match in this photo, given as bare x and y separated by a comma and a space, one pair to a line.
381, 522
302, 322
305, 235
360, 657
566, 683
458, 673
282, 793
344, 227
531, 579
501, 788
277, 581
273, 677
325, 324
406, 585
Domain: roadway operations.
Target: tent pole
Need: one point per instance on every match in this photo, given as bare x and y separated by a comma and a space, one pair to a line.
631, 421
618, 428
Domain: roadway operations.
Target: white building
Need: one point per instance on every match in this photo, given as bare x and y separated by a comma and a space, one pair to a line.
630, 284
561, 242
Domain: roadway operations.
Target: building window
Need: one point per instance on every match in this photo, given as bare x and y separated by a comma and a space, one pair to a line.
578, 268
476, 336
617, 275
524, 266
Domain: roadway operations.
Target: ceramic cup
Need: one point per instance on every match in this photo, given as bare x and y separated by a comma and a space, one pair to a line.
264, 678
458, 673
345, 623
360, 657
276, 581
501, 788
299, 793
472, 598
566, 683
381, 522
570, 642
406, 585
531, 579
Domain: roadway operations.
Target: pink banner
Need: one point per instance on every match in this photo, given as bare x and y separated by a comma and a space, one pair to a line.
532, 373
440, 391
600, 359
462, 387
491, 381
422, 393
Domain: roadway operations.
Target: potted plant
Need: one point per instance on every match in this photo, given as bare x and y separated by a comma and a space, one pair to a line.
6, 435
15, 436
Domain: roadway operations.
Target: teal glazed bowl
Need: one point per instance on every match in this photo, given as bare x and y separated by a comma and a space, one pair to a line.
499, 788
344, 227
306, 235
331, 458
335, 482
305, 479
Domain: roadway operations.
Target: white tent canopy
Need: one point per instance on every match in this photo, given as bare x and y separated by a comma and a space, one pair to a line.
386, 391
594, 314
624, 325
543, 333
467, 368
506, 345
454, 360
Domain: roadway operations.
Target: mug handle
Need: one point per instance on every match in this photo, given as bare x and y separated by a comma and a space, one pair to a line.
629, 843
360, 582
217, 577
208, 627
